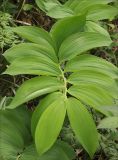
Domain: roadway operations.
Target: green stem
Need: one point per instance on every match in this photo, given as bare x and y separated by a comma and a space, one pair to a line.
65, 83
17, 158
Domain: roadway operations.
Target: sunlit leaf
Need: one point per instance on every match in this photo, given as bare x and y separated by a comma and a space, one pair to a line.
49, 125
80, 43
93, 95
66, 27
34, 65
33, 88
34, 34
83, 125
94, 27
30, 49
109, 123
43, 105
90, 62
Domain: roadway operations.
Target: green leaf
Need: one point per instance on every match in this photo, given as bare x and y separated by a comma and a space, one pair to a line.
100, 12
111, 110
59, 12
45, 102
80, 43
93, 95
29, 153
57, 152
67, 149
66, 27
94, 27
83, 125
50, 124
35, 87
30, 49
34, 65
50, 3
34, 34
27, 7
109, 123
94, 77
14, 132
60, 150
16, 142
90, 62
54, 9
83, 5
18, 122
69, 2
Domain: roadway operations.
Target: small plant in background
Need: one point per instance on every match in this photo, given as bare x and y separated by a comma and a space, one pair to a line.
7, 37
5, 19
109, 137
7, 6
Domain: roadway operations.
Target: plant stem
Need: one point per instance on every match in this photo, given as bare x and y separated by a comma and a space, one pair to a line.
65, 83
17, 158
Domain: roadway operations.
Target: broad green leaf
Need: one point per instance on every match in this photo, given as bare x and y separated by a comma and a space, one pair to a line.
111, 110
67, 149
80, 43
93, 95
15, 143
83, 76
57, 152
50, 124
90, 62
83, 5
100, 12
54, 8
43, 105
34, 34
83, 125
109, 123
34, 65
69, 2
33, 88
23, 116
50, 4
66, 27
94, 27
72, 4
13, 132
30, 49
92, 76
43, 3
5, 134
29, 153
59, 12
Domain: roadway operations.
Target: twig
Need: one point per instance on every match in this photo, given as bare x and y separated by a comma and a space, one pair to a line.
21, 22
23, 2
9, 82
